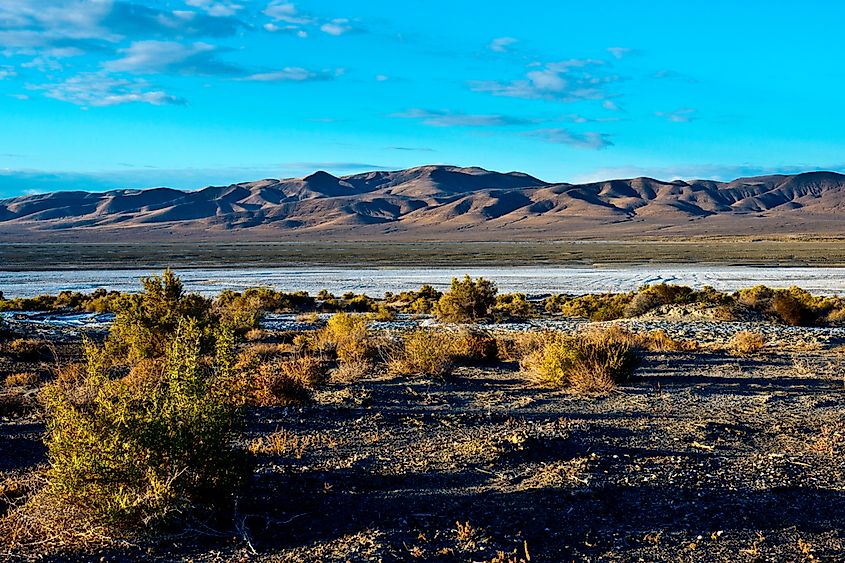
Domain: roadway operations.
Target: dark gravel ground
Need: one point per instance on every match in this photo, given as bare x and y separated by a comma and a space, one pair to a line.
703, 457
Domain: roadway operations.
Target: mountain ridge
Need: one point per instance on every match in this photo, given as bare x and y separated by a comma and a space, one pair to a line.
435, 202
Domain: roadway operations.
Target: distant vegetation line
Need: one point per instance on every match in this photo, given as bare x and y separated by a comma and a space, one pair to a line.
243, 310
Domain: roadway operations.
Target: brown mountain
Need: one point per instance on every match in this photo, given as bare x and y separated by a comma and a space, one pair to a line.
435, 203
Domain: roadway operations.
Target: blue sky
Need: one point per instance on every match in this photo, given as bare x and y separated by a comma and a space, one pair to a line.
97, 94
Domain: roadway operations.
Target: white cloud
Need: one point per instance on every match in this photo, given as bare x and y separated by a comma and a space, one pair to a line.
382, 78
216, 9
610, 105
170, 56
567, 81
440, 118
620, 52
99, 89
336, 27
286, 12
294, 74
590, 140
683, 115
7, 72
501, 44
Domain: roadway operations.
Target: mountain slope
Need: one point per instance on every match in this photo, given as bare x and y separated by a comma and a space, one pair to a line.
435, 202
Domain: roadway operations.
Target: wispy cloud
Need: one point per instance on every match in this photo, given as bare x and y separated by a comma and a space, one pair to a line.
578, 118
566, 81
336, 27
683, 115
673, 75
296, 22
411, 149
294, 74
287, 12
621, 52
216, 9
440, 118
161, 57
590, 140
99, 90
502, 44
111, 39
138, 20
331, 166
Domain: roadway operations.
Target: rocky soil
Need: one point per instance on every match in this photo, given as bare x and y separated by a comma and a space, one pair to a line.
703, 457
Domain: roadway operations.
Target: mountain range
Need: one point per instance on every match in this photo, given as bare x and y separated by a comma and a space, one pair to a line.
434, 203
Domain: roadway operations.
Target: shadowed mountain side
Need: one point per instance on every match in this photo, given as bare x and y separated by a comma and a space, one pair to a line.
435, 203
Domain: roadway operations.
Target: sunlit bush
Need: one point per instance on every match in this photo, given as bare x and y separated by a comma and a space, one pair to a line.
589, 362
746, 342
514, 306
128, 457
467, 300
348, 336
146, 322
426, 352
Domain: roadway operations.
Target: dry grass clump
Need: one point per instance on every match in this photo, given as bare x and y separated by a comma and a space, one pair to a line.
473, 346
595, 361
746, 342
283, 443
145, 376
255, 334
265, 350
347, 336
283, 382
659, 341
351, 372
21, 379
424, 352
48, 525
515, 347
309, 318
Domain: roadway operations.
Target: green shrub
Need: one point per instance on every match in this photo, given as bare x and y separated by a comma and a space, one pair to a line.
793, 306
384, 314
128, 457
348, 336
242, 313
146, 322
362, 304
426, 352
467, 300
421, 302
596, 307
514, 306
594, 361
